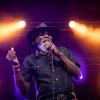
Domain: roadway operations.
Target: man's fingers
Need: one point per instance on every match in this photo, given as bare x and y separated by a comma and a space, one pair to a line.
47, 44
7, 57
11, 54
52, 46
12, 48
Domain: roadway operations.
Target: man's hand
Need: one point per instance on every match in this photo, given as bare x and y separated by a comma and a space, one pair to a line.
11, 56
56, 50
21, 83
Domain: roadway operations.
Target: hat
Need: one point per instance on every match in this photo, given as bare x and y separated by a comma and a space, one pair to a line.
39, 30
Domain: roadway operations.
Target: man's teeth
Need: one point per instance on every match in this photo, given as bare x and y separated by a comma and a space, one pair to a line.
46, 41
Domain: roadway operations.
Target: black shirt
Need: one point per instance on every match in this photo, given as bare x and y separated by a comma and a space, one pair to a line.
49, 73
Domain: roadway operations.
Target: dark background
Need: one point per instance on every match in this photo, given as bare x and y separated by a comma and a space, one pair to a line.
58, 13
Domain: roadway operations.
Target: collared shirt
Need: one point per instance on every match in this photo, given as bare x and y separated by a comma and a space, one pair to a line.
49, 73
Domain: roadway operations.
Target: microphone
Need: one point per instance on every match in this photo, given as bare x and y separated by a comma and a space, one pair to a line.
49, 49
45, 46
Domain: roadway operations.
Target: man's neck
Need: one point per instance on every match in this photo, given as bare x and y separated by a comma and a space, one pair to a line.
43, 52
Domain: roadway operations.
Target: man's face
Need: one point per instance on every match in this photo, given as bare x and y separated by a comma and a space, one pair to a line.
44, 41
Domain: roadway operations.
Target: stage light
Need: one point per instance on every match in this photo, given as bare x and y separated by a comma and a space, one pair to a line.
76, 26
10, 30
72, 24
81, 28
91, 34
21, 24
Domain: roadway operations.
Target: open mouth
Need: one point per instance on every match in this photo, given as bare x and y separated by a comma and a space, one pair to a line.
46, 39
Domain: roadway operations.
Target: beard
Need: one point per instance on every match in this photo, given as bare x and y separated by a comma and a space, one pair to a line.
45, 45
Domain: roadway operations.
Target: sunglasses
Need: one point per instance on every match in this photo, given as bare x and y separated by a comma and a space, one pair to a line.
44, 33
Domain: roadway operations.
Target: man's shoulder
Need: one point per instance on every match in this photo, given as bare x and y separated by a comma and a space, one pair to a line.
29, 60
63, 48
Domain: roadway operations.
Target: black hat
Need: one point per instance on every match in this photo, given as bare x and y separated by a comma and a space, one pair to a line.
39, 30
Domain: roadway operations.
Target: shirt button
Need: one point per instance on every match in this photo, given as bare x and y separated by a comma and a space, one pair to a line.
59, 88
56, 79
38, 66
50, 62
53, 70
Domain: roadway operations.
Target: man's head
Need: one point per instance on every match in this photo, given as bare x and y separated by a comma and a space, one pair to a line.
44, 41
42, 34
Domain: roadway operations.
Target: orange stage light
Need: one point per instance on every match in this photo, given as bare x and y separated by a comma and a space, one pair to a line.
9, 30
90, 34
72, 24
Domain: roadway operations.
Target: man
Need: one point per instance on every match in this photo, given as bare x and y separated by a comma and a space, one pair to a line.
51, 67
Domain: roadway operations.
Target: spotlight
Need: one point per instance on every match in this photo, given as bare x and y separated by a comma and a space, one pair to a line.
72, 24
21, 24
11, 29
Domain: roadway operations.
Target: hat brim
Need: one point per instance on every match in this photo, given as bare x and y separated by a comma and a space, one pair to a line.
33, 34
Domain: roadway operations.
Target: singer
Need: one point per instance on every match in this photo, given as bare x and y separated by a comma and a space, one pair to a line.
52, 67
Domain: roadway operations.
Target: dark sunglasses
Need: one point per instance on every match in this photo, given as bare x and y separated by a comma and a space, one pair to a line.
43, 33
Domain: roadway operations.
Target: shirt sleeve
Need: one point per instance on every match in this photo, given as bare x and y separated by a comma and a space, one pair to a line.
70, 56
26, 70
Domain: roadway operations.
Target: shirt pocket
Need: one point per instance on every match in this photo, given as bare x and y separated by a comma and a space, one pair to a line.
42, 69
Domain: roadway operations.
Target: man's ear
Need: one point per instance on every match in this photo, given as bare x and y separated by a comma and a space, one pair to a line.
36, 40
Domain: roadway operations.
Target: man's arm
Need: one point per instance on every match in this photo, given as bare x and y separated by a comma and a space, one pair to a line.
69, 65
20, 82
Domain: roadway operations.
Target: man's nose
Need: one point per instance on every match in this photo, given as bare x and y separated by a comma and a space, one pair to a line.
46, 35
